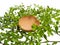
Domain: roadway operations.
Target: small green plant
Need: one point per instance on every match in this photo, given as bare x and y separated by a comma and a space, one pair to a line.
12, 33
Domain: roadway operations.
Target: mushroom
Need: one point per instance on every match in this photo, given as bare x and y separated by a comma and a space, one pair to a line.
26, 22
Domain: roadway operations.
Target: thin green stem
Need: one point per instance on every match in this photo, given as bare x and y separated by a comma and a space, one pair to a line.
49, 41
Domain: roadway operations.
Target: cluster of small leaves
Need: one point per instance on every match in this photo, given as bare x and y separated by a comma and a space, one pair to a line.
44, 15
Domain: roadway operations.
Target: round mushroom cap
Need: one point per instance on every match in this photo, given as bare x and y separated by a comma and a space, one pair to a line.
26, 22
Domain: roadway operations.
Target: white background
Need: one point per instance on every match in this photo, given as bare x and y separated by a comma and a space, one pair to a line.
5, 4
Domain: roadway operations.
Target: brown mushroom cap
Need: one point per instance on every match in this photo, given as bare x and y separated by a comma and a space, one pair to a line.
26, 22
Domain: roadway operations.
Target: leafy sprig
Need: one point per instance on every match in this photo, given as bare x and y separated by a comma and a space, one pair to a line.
15, 34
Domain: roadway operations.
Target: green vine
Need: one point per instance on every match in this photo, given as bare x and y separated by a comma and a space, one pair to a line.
11, 32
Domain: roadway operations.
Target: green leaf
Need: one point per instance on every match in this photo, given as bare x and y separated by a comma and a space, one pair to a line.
56, 29
5, 42
45, 36
48, 44
31, 43
34, 27
37, 42
57, 18
54, 43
